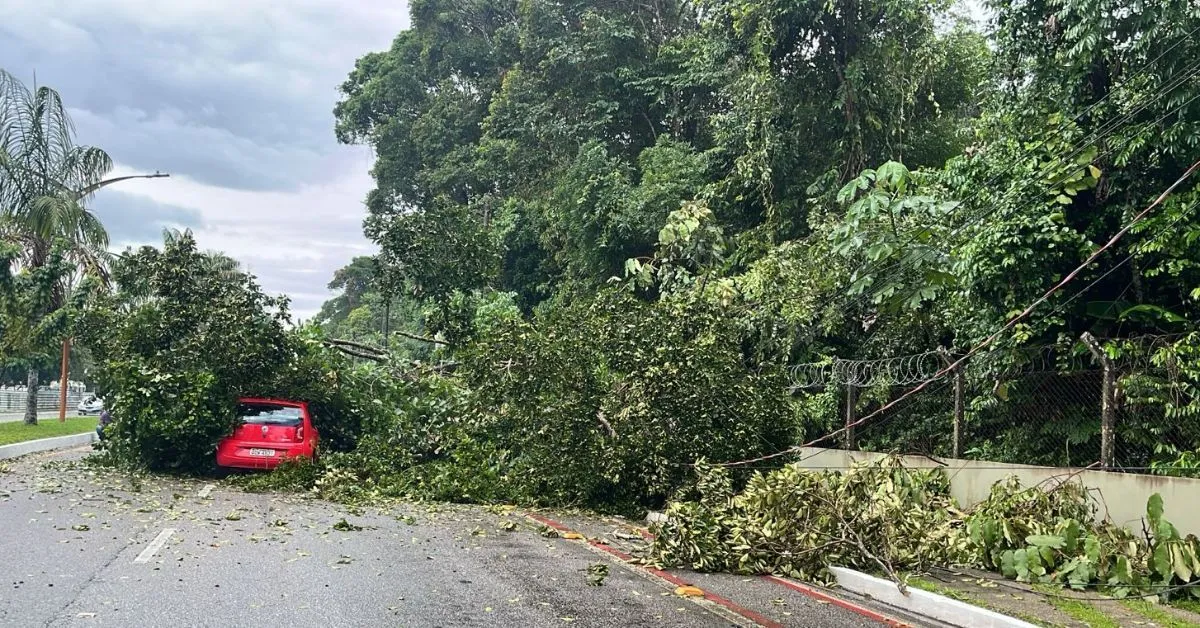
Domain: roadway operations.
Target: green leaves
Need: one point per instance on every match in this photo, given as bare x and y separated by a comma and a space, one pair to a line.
33, 320
176, 350
1154, 510
1046, 541
892, 231
607, 401
790, 521
782, 521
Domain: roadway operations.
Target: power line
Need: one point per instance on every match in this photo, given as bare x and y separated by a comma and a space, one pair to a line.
896, 268
804, 373
1124, 260
990, 339
1029, 309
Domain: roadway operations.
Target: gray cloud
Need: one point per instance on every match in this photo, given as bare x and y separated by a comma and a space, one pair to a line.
235, 94
234, 98
137, 219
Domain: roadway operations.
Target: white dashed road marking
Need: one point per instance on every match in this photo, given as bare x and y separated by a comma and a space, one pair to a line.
154, 546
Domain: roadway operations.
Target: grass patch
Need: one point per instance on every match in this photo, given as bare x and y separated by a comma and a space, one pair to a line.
933, 587
17, 432
1155, 614
1084, 612
1187, 605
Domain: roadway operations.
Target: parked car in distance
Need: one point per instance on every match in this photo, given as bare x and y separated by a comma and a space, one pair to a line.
91, 405
270, 431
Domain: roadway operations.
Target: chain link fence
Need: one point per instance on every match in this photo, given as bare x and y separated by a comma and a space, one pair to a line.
1115, 405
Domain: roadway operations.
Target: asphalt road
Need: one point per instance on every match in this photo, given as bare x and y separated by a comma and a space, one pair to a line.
78, 548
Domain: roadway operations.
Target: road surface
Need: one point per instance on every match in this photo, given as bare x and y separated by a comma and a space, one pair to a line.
88, 547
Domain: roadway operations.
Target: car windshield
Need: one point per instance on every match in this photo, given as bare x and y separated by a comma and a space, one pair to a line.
269, 414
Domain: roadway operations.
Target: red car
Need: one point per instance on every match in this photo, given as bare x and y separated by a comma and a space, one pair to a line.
271, 430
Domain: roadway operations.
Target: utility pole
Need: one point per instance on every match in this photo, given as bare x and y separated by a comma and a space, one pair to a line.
956, 444
1108, 405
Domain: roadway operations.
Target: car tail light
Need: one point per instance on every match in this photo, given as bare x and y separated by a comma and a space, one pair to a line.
300, 433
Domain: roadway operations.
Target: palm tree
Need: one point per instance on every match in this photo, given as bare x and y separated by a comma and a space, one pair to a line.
216, 261
45, 180
135, 290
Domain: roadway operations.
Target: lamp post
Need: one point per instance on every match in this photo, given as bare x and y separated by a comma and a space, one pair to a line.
66, 345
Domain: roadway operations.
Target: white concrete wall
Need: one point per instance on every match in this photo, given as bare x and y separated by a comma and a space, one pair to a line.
1121, 497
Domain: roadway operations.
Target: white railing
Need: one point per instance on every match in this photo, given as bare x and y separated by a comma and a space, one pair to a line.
14, 400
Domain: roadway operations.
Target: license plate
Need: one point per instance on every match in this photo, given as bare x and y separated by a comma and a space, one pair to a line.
266, 453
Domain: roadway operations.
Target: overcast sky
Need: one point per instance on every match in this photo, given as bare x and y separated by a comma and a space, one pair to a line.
233, 98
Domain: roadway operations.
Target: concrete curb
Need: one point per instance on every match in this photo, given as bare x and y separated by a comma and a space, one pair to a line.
656, 517
46, 444
924, 603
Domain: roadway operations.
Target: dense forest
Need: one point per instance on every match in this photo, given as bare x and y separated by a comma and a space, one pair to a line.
614, 236
637, 212
535, 148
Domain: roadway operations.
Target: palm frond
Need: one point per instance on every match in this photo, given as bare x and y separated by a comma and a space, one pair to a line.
56, 128
45, 180
83, 168
90, 229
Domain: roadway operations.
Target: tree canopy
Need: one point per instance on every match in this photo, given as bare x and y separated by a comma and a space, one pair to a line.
917, 160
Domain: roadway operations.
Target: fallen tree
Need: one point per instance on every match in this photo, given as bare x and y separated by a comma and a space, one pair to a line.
884, 517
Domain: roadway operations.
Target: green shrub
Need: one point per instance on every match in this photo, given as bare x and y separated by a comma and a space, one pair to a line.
880, 516
168, 420
179, 342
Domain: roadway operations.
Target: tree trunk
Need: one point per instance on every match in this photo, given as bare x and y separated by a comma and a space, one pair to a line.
31, 397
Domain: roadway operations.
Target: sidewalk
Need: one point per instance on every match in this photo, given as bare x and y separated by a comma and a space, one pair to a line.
1052, 606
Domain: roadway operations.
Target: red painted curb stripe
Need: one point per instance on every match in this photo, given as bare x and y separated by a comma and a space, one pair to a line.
818, 595
548, 522
615, 552
825, 597
753, 616
645, 534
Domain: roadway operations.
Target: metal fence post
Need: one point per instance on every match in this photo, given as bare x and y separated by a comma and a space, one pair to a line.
1108, 410
958, 401
851, 415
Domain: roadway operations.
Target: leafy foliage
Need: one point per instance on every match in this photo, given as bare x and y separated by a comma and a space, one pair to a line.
882, 516
526, 146
795, 522
587, 405
172, 367
604, 402
30, 325
640, 213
